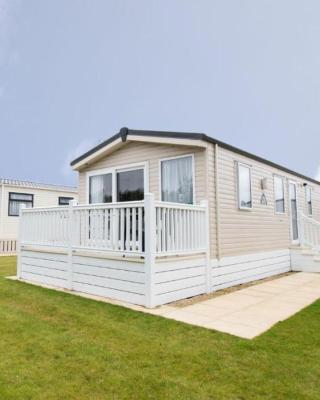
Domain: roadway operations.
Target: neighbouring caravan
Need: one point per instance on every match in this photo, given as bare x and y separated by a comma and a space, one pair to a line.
15, 193
163, 216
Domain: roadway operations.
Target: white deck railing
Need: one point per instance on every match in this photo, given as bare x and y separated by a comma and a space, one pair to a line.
180, 228
118, 227
309, 231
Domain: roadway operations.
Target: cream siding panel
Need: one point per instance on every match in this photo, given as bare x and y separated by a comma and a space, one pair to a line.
241, 231
136, 152
41, 198
259, 229
211, 196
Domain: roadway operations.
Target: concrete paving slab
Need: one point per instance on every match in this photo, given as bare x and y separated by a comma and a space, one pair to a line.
246, 313
251, 311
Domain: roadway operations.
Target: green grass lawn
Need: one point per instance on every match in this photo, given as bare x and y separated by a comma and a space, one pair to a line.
58, 346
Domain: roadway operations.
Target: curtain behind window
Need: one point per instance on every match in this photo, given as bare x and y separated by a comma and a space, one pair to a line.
279, 194
100, 187
176, 180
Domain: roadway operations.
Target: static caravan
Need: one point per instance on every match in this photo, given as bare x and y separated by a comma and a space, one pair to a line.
164, 216
14, 194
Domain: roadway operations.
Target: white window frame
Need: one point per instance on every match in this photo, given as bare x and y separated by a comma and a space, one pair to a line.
306, 194
295, 183
193, 175
238, 164
274, 194
113, 171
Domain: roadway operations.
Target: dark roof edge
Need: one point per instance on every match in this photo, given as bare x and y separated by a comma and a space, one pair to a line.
96, 148
188, 135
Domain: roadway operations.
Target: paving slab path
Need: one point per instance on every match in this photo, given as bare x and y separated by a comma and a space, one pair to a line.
246, 313
251, 311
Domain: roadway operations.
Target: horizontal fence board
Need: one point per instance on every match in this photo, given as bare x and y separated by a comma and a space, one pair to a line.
174, 275
231, 271
46, 280
40, 270
179, 294
247, 266
238, 275
111, 293
260, 275
44, 255
124, 264
116, 284
253, 257
176, 264
180, 284
177, 279
49, 264
109, 272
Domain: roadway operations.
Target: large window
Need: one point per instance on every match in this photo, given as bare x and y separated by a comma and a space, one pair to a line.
16, 200
279, 194
244, 187
117, 185
309, 200
177, 180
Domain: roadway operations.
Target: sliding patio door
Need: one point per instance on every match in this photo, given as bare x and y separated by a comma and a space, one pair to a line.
116, 185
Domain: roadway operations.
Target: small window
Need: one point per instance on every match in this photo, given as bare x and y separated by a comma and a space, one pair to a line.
244, 187
64, 201
100, 188
177, 180
309, 200
16, 200
279, 195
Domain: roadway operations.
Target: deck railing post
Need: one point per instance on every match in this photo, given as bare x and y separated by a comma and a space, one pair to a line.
71, 232
150, 247
20, 236
204, 203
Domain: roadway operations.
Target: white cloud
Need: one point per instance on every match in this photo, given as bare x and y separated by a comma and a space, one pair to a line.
80, 149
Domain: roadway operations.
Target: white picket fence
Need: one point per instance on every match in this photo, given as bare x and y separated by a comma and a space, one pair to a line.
309, 231
8, 247
122, 228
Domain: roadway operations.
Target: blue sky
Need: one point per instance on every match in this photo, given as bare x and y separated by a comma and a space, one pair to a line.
72, 72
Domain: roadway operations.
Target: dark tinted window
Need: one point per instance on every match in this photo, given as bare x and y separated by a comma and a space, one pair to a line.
130, 185
64, 201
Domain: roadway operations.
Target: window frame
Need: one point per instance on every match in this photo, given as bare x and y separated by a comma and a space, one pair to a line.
64, 197
193, 176
309, 188
119, 170
113, 171
242, 164
295, 184
19, 201
283, 179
